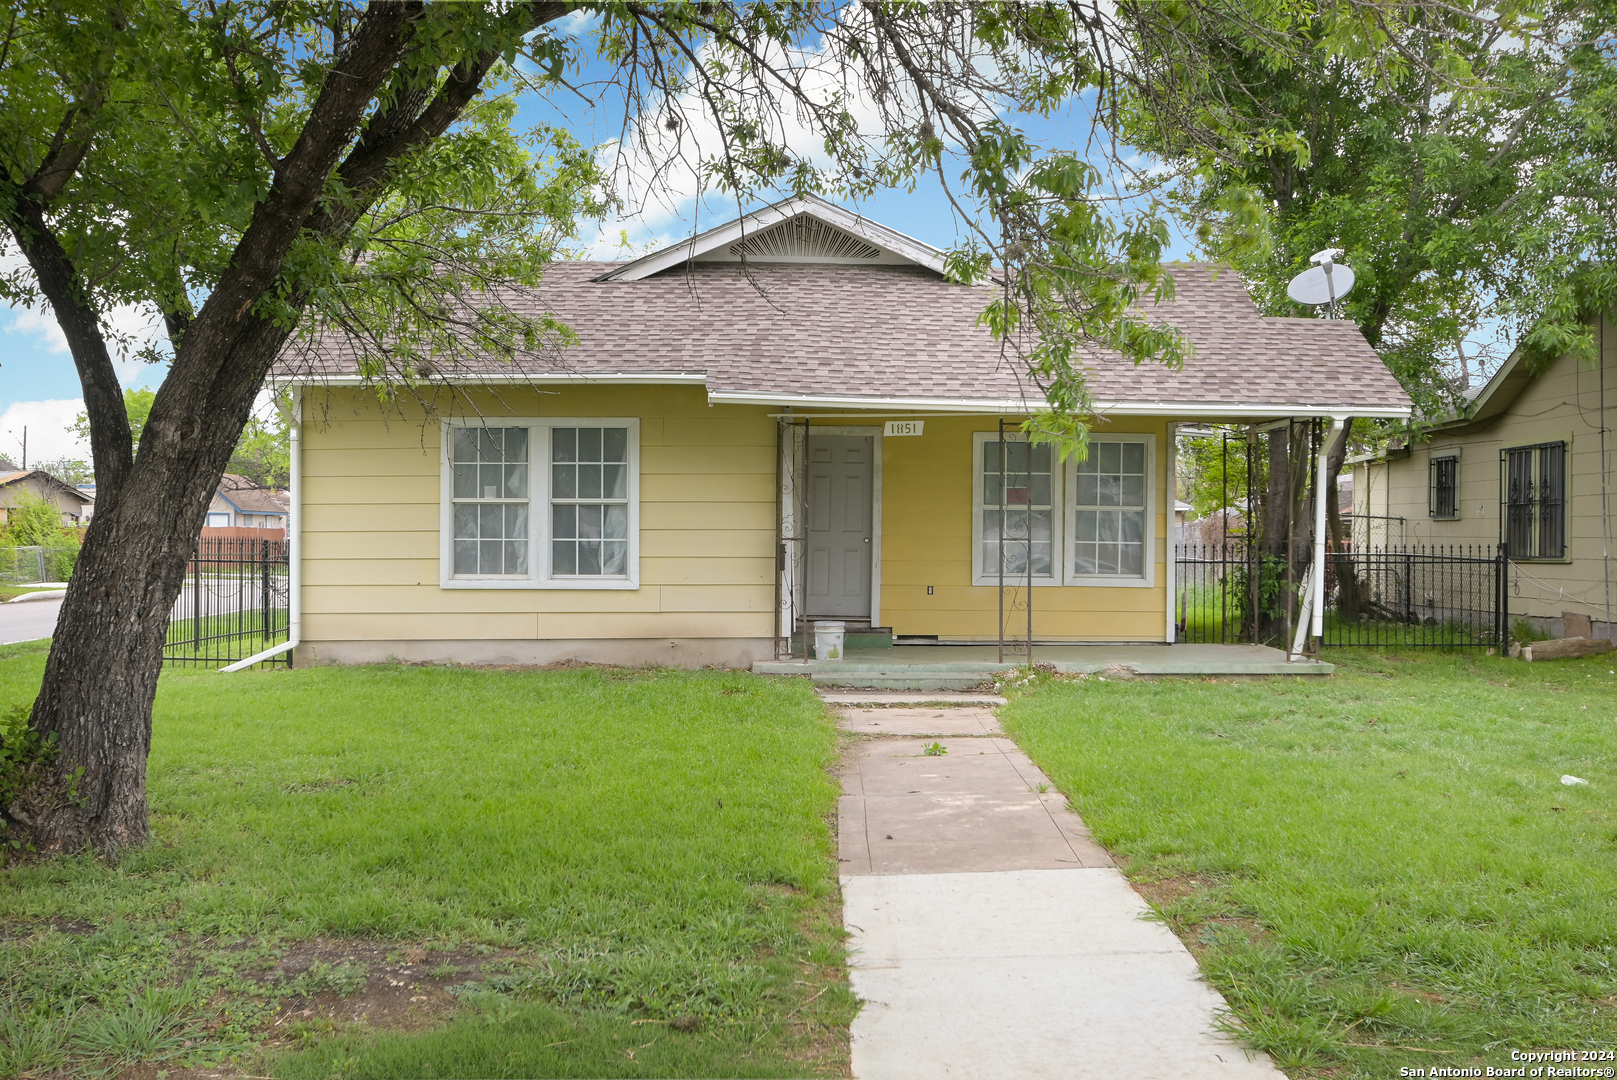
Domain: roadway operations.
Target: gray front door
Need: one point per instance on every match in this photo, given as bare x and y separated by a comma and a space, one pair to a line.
839, 513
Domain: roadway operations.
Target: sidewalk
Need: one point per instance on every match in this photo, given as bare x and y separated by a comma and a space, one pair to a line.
991, 936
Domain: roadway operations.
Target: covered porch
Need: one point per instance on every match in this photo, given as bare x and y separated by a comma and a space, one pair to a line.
959, 667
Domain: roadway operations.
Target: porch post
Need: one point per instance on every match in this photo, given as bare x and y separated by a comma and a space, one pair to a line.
1171, 481
1318, 584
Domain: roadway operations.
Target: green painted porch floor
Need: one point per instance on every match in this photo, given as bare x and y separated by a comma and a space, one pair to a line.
956, 667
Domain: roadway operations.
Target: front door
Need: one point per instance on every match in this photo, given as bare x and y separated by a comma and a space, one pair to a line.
839, 515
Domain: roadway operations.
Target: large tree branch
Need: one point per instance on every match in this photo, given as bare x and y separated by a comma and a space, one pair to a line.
395, 129
110, 442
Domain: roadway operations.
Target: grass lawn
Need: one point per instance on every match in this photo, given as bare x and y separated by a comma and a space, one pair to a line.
414, 871
1378, 870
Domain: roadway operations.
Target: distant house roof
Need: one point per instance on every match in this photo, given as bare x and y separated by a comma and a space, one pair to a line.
843, 330
17, 476
251, 498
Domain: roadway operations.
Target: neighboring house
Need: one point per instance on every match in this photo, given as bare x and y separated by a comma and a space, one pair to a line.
1529, 467
728, 451
241, 504
76, 506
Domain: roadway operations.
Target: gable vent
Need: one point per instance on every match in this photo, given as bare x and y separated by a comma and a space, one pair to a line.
804, 237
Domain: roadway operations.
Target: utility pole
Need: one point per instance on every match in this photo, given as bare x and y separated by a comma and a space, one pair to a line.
25, 449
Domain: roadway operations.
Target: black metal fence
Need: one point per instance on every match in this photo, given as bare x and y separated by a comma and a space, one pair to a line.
234, 603
1439, 597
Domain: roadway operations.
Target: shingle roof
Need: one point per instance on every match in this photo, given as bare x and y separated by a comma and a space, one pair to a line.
249, 497
896, 331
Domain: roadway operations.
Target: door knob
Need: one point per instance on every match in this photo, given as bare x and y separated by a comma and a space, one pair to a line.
867, 539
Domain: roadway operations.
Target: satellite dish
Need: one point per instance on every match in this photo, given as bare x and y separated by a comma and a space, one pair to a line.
1325, 282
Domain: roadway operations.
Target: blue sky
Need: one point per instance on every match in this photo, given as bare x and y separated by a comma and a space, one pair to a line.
39, 387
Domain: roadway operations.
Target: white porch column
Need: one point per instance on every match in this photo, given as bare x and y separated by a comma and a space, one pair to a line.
1318, 628
1171, 474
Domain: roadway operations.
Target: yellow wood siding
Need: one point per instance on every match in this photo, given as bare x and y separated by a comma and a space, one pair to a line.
927, 508
371, 542
371, 518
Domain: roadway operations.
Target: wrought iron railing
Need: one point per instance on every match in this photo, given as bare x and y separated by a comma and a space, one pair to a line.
234, 603
1438, 597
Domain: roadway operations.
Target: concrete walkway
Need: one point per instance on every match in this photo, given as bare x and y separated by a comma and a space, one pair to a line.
991, 936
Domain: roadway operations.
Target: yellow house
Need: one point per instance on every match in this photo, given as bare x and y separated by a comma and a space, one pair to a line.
791, 418
1528, 466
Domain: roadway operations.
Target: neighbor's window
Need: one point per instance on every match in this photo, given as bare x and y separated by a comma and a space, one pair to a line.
589, 501
1442, 500
1018, 493
1109, 510
1534, 518
490, 501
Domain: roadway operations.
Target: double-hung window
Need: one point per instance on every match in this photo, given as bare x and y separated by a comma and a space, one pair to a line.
1533, 479
1081, 523
1443, 494
542, 503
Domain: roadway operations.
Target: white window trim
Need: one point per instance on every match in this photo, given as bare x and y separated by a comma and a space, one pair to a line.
539, 516
981, 575
1070, 510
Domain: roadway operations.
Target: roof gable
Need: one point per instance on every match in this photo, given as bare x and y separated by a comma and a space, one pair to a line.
800, 230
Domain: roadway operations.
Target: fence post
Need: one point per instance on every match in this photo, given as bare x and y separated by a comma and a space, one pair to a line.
265, 597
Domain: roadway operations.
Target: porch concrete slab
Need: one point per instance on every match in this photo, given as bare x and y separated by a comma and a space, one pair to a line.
928, 664
907, 697
1038, 973
959, 721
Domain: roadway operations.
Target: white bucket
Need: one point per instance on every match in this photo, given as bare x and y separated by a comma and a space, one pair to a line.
828, 640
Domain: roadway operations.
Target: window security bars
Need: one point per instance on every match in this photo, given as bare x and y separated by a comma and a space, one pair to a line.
1533, 479
491, 501
234, 603
1442, 500
1440, 597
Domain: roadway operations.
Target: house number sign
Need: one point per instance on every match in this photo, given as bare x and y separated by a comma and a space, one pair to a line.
904, 427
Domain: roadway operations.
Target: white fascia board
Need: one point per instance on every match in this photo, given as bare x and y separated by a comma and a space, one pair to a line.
639, 378
759, 220
1103, 409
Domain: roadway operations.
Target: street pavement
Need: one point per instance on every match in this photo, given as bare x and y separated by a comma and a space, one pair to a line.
28, 621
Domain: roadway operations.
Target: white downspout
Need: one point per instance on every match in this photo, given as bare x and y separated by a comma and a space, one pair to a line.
294, 536
1318, 628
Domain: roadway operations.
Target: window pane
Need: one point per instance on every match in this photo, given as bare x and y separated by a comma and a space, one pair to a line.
516, 444
615, 445
564, 557
1084, 559
564, 444
617, 522
1107, 520
465, 444
516, 557
1088, 493
490, 520
589, 444
564, 481
1131, 560
991, 489
1133, 493
465, 521
615, 557
615, 481
465, 556
516, 522
589, 522
564, 522
589, 557
490, 481
1133, 522
488, 448
1106, 558
1109, 456
1039, 493
1041, 458
1134, 457
465, 479
516, 481
589, 481
1109, 493
1086, 526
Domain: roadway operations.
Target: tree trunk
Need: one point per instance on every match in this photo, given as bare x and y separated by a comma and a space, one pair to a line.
101, 677
1347, 581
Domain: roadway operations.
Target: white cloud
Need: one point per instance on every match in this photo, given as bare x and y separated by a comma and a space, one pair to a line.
49, 430
129, 328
